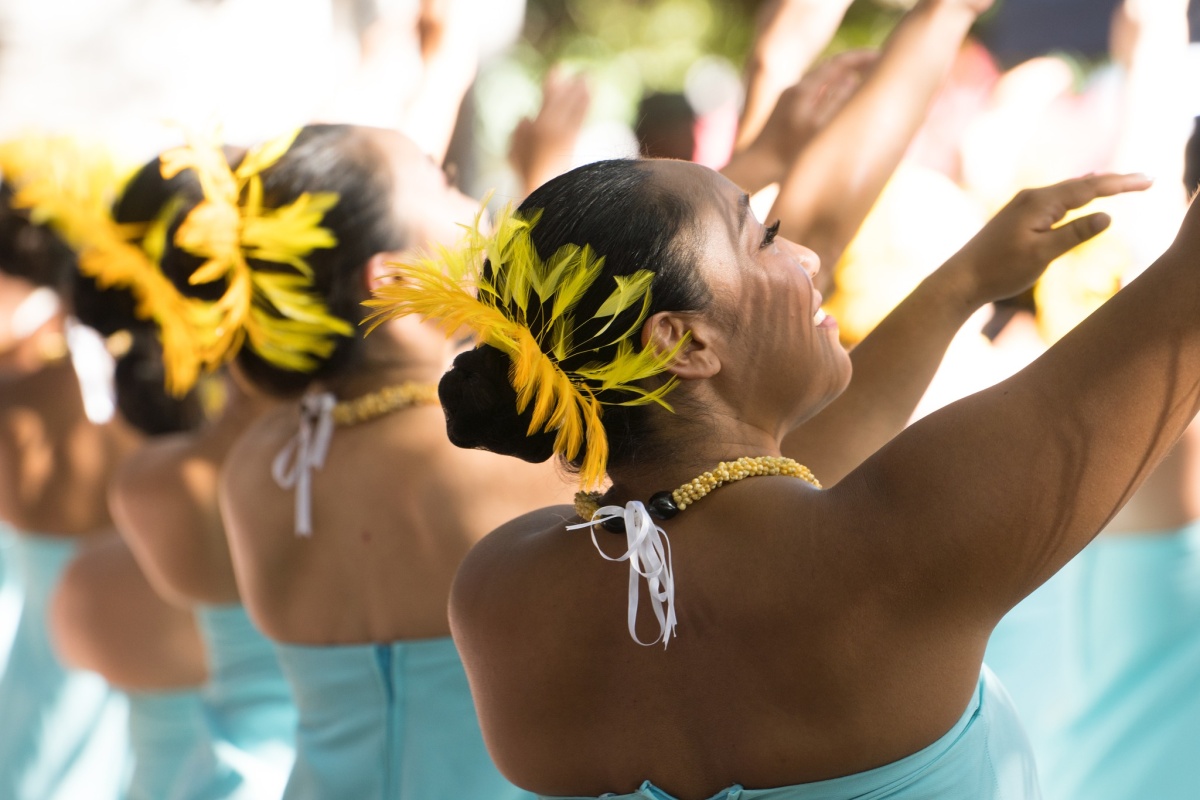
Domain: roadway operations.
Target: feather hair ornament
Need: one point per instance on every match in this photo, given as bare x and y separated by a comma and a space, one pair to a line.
72, 187
274, 312
521, 293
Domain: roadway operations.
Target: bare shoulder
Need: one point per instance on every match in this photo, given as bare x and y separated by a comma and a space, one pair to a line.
164, 501
247, 467
516, 542
493, 578
252, 504
152, 478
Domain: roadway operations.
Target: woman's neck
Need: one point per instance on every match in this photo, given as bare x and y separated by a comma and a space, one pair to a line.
687, 447
242, 407
387, 363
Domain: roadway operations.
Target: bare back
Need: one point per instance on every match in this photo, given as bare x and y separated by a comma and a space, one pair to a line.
791, 651
54, 462
165, 503
395, 509
107, 618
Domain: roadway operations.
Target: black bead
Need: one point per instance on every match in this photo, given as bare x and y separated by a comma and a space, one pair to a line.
662, 506
614, 524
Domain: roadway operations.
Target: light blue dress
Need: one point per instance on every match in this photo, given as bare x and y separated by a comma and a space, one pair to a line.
985, 756
1028, 652
1132, 727
164, 729
63, 732
388, 722
248, 712
10, 593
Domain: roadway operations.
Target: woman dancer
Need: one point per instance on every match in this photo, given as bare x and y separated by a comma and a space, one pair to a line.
349, 515
829, 642
165, 503
106, 616
63, 732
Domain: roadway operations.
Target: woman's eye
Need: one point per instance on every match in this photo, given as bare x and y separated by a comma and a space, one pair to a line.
769, 235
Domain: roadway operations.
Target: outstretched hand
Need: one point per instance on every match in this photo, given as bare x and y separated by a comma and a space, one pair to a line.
805, 108
1012, 251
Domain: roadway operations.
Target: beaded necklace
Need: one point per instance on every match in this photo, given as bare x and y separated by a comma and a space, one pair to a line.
320, 412
665, 505
384, 401
649, 549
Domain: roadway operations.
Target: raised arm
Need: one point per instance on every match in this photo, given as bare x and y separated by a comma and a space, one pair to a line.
791, 34
542, 146
1154, 119
800, 113
450, 57
834, 181
895, 363
980, 502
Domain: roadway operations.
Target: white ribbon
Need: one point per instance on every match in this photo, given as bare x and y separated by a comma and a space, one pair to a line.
649, 557
305, 453
38, 308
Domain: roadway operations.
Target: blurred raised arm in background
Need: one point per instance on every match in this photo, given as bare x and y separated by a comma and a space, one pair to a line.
800, 112
791, 34
418, 59
542, 146
835, 180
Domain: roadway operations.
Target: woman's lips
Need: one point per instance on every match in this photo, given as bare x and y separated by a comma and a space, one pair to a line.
823, 320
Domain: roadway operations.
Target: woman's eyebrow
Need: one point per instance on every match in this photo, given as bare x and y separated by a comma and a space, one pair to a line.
743, 212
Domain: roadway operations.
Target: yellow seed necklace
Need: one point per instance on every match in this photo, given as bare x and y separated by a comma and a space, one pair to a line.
384, 401
665, 505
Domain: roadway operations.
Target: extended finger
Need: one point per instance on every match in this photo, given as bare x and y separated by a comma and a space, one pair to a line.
1072, 234
1081, 191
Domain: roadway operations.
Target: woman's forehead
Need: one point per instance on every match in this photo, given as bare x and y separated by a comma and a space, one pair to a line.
693, 179
719, 209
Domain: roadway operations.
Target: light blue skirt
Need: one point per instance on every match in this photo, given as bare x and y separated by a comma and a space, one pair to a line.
249, 717
388, 722
164, 729
63, 732
1028, 653
1132, 723
10, 593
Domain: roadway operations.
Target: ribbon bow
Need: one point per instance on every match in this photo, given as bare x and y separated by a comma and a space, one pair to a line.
649, 557
305, 453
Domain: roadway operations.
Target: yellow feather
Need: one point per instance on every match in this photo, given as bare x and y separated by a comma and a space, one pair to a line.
264, 155
591, 471
630, 289
230, 226
72, 188
451, 289
582, 276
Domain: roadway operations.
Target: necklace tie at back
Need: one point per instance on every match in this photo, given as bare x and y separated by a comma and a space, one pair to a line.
649, 548
320, 412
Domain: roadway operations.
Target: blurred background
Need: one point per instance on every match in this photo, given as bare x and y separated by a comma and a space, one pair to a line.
126, 70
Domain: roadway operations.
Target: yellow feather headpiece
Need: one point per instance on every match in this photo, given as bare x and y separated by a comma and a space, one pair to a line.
71, 187
499, 305
276, 312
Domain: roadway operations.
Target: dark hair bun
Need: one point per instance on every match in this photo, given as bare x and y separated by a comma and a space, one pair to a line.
141, 399
481, 408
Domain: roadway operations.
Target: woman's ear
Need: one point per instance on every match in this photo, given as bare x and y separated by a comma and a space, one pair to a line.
695, 359
379, 270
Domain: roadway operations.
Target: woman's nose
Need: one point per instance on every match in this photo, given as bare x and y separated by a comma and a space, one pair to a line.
810, 260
